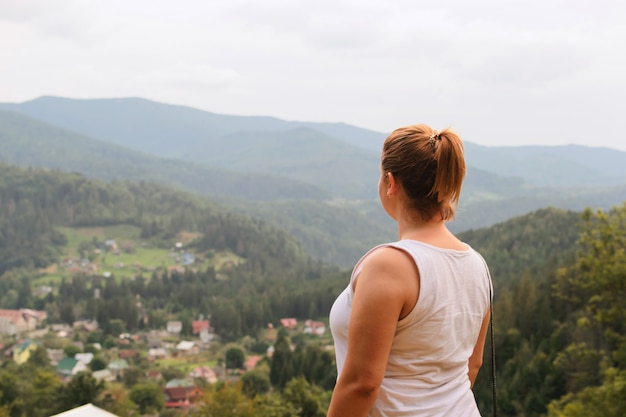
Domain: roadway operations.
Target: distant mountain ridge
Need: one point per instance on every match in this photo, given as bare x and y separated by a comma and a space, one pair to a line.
182, 132
313, 153
566, 165
148, 125
31, 142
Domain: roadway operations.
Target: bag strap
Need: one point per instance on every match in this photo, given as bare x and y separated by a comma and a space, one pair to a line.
493, 345
493, 355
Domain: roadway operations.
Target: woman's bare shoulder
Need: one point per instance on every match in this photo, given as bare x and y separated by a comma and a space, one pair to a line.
389, 263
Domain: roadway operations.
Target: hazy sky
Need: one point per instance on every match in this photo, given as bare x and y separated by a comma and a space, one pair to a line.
500, 72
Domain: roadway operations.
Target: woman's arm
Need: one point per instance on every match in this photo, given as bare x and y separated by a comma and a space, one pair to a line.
385, 291
476, 360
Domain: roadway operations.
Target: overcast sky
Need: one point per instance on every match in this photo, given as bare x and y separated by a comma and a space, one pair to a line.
499, 72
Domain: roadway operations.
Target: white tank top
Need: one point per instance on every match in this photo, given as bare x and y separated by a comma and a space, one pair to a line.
426, 373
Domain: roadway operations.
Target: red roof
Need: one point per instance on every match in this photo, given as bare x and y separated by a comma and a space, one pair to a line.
252, 361
14, 315
178, 397
127, 353
289, 323
177, 404
199, 325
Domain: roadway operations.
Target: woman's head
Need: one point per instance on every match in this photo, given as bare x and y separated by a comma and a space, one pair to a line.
430, 167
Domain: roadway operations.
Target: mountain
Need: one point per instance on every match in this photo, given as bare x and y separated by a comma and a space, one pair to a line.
165, 129
303, 154
552, 166
30, 142
183, 132
335, 157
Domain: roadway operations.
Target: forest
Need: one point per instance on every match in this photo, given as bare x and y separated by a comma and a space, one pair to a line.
559, 319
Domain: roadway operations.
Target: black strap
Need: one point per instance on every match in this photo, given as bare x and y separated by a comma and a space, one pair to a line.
493, 343
493, 356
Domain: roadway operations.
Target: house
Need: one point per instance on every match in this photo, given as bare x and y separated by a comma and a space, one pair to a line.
156, 353
153, 340
87, 410
206, 335
203, 329
174, 327
205, 373
87, 325
316, 328
85, 358
127, 353
187, 347
154, 375
40, 316
22, 351
198, 325
117, 367
289, 323
55, 355
61, 330
251, 362
13, 322
181, 397
70, 366
103, 375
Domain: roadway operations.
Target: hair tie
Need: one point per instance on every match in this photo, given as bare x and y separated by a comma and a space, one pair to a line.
433, 138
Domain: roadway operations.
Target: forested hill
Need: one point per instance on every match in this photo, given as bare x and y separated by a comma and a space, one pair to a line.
558, 313
526, 244
34, 202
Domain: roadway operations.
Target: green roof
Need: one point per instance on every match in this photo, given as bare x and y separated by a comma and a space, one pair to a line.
67, 364
179, 383
118, 364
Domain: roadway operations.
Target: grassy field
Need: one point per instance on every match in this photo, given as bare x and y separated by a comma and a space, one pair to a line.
185, 364
128, 257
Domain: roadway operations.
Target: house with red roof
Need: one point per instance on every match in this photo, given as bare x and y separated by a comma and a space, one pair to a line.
251, 362
181, 393
289, 323
203, 329
13, 322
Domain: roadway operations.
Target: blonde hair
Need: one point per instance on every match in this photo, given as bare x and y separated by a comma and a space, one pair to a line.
429, 165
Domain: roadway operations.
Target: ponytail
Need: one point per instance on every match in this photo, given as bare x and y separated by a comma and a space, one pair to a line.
450, 172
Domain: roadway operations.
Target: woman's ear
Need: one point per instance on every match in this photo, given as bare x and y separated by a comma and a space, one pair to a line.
392, 184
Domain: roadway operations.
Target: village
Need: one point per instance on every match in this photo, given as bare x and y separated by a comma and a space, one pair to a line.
183, 365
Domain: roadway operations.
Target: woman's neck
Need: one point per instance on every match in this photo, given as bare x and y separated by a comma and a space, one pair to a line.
432, 232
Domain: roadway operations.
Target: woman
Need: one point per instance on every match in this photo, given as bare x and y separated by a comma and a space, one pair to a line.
410, 327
